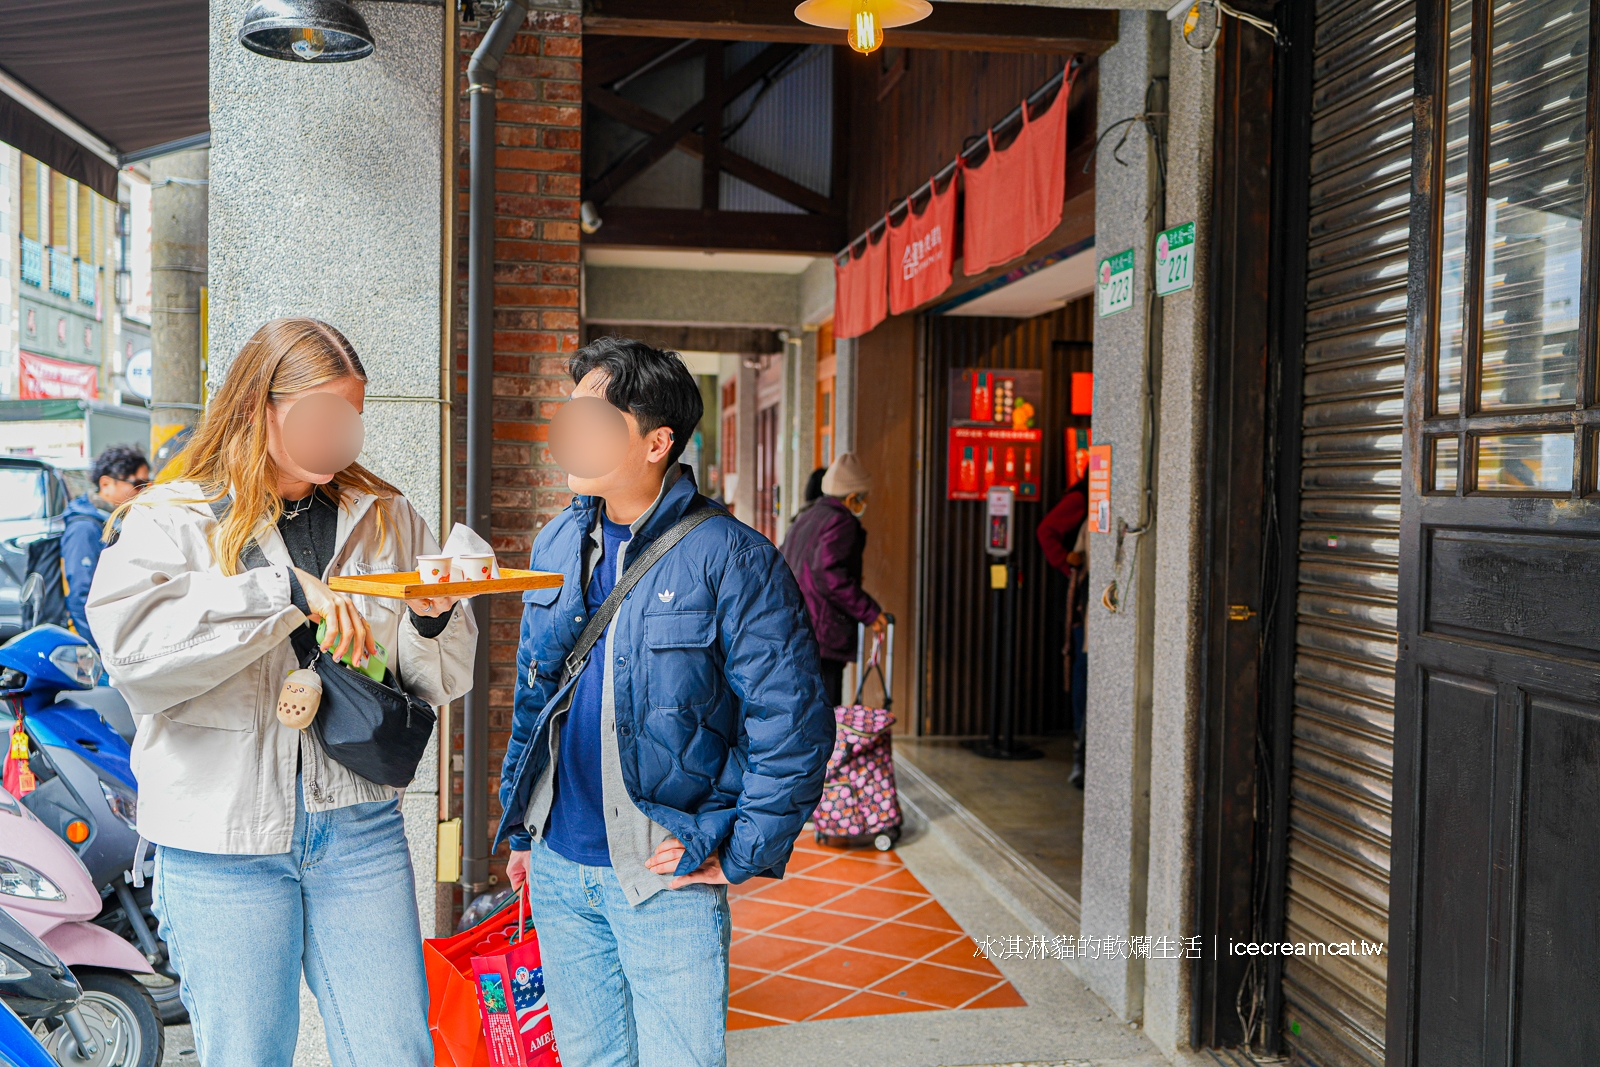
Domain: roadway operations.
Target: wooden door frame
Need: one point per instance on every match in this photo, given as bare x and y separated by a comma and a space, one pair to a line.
1229, 867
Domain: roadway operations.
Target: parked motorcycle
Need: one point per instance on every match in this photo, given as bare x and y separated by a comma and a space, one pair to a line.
96, 1013
18, 1046
84, 786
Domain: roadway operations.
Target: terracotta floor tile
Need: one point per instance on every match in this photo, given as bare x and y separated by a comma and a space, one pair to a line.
823, 926
1004, 997
931, 914
852, 870
932, 984
880, 904
901, 879
804, 859
738, 1020
845, 966
764, 953
787, 998
907, 942
964, 954
740, 977
758, 913
803, 891
873, 1004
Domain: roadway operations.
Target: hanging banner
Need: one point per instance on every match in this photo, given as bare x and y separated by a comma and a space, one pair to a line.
1014, 198
861, 288
921, 250
1099, 488
43, 378
995, 435
1175, 260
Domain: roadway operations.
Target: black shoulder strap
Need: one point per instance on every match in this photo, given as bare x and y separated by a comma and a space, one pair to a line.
252, 556
630, 578
303, 638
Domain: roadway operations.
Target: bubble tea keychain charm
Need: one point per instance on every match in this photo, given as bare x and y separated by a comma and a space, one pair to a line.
298, 699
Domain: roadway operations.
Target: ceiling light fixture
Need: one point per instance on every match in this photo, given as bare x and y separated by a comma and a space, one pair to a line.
863, 20
306, 31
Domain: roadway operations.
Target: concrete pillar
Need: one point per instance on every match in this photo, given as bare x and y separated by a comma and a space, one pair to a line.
1175, 664
844, 396
327, 200
178, 248
1126, 402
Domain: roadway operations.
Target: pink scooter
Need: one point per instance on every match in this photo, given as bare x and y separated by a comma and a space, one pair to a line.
45, 888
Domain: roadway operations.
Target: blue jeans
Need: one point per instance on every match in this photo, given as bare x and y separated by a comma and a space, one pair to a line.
339, 903
630, 986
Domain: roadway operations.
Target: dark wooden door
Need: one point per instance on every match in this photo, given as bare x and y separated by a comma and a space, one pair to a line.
1496, 876
767, 472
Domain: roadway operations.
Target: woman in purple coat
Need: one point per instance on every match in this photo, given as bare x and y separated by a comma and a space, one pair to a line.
824, 548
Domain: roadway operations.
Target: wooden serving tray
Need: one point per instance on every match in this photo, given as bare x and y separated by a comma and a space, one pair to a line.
407, 585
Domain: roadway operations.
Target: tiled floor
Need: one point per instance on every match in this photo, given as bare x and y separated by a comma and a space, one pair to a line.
850, 933
1028, 804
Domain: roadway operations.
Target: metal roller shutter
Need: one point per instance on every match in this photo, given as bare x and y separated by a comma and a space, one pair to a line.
1354, 371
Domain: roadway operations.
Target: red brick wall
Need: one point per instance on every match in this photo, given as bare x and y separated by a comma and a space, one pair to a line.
537, 187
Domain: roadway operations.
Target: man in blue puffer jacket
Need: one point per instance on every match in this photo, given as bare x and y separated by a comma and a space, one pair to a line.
688, 752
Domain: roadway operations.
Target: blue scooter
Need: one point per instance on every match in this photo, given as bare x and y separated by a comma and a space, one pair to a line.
86, 791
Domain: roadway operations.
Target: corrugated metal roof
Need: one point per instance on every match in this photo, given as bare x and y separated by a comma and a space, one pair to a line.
786, 126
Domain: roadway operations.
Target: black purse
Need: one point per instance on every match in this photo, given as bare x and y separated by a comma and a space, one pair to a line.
375, 729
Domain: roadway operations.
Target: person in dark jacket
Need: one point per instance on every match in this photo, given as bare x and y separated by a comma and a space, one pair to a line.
1064, 538
823, 548
118, 474
687, 752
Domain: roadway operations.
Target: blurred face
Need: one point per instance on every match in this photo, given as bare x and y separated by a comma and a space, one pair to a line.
315, 434
600, 447
118, 491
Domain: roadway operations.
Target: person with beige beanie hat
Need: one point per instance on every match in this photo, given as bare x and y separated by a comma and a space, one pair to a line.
824, 548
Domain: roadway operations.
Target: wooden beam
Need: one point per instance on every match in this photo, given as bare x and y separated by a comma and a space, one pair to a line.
962, 27
642, 118
720, 231
641, 158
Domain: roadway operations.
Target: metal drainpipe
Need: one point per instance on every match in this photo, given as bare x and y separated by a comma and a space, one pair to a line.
482, 74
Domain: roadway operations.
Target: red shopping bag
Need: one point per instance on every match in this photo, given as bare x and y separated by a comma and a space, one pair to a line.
486, 1002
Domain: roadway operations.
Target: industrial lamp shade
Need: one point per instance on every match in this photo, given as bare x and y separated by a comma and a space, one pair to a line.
864, 20
306, 31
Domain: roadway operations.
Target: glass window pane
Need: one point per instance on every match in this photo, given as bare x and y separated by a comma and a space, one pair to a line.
1445, 462
1452, 256
1525, 462
1533, 227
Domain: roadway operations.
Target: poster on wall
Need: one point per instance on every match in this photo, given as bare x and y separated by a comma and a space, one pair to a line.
995, 432
1100, 489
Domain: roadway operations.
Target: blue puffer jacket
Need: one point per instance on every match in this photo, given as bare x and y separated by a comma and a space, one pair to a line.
722, 726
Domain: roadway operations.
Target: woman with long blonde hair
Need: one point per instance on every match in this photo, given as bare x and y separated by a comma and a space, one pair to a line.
273, 859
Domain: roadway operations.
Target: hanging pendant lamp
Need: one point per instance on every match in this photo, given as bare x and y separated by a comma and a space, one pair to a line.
306, 31
863, 20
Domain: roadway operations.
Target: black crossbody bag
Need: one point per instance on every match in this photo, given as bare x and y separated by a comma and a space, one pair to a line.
376, 729
579, 656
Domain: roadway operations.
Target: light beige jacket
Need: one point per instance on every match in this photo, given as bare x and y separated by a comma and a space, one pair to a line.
201, 656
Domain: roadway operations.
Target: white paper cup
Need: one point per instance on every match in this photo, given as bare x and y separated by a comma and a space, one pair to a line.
473, 567
433, 570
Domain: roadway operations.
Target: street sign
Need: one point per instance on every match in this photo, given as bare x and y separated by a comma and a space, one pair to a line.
137, 374
1175, 260
1115, 283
